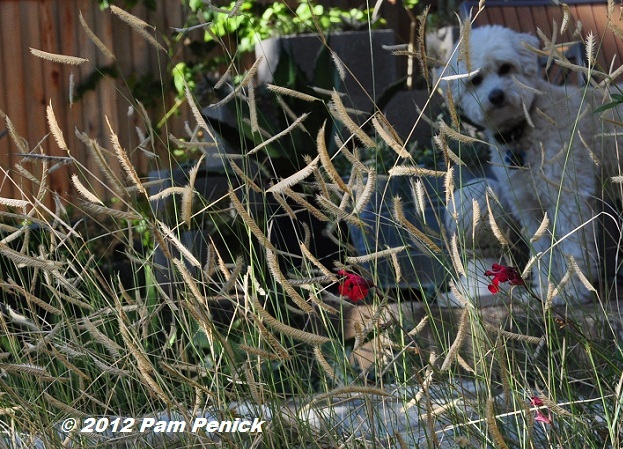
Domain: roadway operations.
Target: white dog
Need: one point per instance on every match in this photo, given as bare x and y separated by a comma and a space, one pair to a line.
550, 152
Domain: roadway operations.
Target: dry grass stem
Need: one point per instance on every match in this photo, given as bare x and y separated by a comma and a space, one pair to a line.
55, 129
138, 25
591, 44
493, 425
18, 140
455, 255
441, 409
338, 214
84, 191
115, 213
112, 347
277, 136
315, 262
420, 326
396, 267
28, 261
248, 78
290, 114
248, 220
197, 114
275, 271
565, 18
189, 191
339, 65
391, 139
123, 158
167, 193
581, 276
458, 340
351, 391
367, 192
245, 179
231, 278
295, 178
542, 230
62, 59
449, 155
325, 160
170, 235
340, 112
31, 370
144, 366
99, 156
261, 353
420, 42
553, 406
383, 254
30, 298
497, 231
322, 361
448, 131
412, 229
301, 201
70, 93
12, 202
410, 170
93, 38
255, 126
419, 197
511, 335
448, 184
284, 205
463, 364
465, 47
309, 338
271, 340
130, 19
476, 216
291, 93
200, 299
191, 144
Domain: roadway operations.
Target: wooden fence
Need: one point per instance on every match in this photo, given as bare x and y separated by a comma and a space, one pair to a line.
29, 84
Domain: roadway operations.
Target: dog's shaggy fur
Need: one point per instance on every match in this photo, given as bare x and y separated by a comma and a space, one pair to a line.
550, 152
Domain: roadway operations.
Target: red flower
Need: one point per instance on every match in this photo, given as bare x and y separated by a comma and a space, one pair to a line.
503, 273
354, 286
536, 401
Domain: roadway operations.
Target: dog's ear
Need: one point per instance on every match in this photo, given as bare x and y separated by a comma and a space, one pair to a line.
528, 39
528, 59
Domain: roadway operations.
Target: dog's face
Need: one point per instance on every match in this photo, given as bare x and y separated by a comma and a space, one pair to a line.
500, 77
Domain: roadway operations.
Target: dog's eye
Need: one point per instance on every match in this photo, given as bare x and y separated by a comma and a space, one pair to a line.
504, 69
475, 81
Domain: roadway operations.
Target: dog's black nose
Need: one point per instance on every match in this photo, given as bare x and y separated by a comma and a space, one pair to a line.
496, 97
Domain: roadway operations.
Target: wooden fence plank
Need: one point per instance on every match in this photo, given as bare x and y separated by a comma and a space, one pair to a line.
15, 91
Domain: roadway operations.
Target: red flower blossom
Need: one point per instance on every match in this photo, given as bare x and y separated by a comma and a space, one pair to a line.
354, 286
536, 401
503, 273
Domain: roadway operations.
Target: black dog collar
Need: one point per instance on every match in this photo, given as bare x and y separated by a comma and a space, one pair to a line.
513, 158
512, 135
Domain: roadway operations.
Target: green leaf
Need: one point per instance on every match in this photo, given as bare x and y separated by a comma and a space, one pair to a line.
617, 100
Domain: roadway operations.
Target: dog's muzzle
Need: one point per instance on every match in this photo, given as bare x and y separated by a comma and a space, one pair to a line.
496, 97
